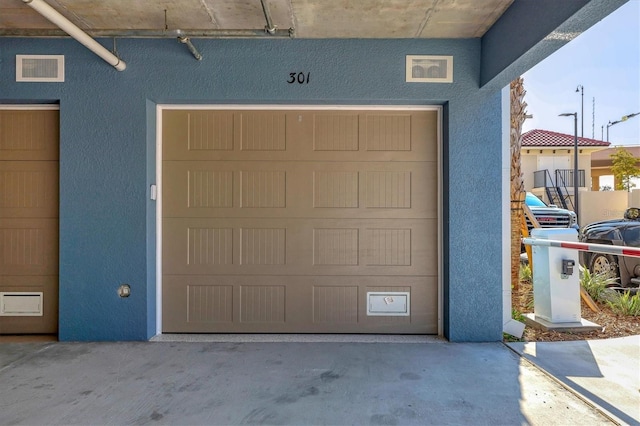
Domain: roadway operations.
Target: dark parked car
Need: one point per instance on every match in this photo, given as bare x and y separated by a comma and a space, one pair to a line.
619, 232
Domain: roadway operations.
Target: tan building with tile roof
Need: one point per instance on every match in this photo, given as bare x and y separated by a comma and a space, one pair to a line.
548, 160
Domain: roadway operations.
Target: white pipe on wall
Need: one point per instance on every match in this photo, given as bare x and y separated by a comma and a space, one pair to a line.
70, 28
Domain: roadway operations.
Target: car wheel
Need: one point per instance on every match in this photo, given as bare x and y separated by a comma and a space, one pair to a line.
604, 263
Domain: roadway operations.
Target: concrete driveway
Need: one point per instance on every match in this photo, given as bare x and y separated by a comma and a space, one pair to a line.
307, 381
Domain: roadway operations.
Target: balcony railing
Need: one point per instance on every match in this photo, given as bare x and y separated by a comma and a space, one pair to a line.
559, 178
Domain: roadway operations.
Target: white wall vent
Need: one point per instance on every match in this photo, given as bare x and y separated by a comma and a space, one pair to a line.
40, 68
21, 304
429, 69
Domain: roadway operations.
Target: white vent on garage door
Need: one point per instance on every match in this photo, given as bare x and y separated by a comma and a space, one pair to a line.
18, 304
40, 68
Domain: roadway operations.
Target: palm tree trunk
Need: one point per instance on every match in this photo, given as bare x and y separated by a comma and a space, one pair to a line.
518, 115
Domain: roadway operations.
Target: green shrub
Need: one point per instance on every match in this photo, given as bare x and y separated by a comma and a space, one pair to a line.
517, 315
626, 304
596, 284
525, 274
526, 299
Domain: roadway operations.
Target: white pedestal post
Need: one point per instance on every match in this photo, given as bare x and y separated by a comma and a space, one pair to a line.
556, 292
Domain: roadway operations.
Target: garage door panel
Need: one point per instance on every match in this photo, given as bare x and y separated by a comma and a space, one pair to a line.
291, 189
206, 304
197, 134
381, 135
28, 247
29, 135
299, 246
262, 130
293, 304
336, 131
215, 135
29, 189
299, 135
196, 304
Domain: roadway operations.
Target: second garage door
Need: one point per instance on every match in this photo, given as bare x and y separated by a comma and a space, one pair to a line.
29, 153
299, 221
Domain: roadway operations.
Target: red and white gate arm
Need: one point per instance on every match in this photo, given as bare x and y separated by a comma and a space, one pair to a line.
598, 248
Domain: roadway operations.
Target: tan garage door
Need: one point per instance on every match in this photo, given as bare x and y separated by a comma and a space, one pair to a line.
29, 221
299, 221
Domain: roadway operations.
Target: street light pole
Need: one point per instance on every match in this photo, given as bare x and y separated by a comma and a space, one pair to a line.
624, 118
580, 88
576, 181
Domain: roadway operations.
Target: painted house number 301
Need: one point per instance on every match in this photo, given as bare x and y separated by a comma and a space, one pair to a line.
300, 78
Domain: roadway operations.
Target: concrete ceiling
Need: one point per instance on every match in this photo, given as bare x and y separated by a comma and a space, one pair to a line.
307, 18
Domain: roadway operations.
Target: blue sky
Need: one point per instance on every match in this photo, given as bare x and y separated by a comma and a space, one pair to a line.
605, 60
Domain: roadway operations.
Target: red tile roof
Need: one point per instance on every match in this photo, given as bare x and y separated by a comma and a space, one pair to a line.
546, 138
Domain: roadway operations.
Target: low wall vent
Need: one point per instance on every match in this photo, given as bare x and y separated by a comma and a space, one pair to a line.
40, 68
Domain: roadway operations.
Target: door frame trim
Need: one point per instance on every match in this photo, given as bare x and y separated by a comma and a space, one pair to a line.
32, 107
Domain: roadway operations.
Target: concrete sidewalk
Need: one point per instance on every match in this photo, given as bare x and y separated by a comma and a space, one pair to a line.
428, 381
604, 372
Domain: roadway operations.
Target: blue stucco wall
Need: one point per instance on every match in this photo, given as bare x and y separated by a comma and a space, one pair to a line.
107, 158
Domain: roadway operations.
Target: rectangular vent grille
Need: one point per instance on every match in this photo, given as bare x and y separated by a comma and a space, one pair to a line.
429, 69
40, 68
19, 304
389, 303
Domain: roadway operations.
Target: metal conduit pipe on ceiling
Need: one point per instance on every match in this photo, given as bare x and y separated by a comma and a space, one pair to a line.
191, 47
70, 28
270, 28
150, 33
